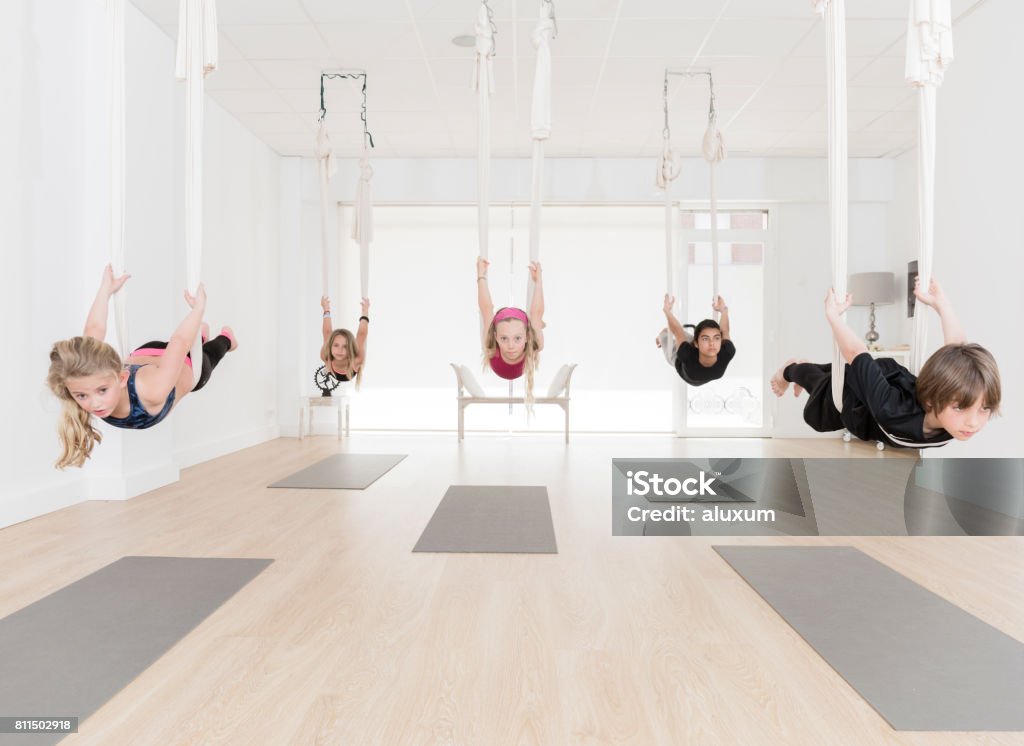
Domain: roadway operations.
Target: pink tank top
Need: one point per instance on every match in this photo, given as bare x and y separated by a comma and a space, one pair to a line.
508, 371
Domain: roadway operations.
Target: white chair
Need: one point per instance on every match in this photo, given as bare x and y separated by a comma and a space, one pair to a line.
558, 393
339, 400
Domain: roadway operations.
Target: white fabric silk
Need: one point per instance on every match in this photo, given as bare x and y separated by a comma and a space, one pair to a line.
325, 169
835, 48
362, 224
668, 170
713, 148
929, 53
929, 41
483, 83
197, 57
115, 17
540, 126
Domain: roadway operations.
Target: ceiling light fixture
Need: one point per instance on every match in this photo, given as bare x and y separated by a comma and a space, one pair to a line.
464, 40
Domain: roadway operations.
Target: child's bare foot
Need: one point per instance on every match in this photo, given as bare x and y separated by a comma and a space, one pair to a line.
778, 383
204, 332
226, 331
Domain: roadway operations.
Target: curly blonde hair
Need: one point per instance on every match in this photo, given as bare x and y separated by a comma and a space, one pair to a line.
76, 358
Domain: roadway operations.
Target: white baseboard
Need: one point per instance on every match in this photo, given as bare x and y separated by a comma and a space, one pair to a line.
197, 454
24, 502
127, 486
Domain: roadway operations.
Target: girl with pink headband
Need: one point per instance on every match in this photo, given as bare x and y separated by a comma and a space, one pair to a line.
512, 339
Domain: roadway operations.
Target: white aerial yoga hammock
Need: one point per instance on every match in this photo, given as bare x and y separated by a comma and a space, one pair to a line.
835, 47
540, 126
362, 223
196, 58
668, 171
115, 67
713, 149
483, 83
325, 165
929, 52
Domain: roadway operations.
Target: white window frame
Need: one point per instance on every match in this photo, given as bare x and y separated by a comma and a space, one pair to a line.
767, 237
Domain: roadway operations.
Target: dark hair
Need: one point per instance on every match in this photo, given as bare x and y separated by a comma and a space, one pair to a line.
705, 324
959, 374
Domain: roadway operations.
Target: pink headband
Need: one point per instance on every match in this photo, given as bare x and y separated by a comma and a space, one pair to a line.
511, 313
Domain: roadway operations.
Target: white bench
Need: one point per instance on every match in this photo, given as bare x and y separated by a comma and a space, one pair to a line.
558, 393
339, 401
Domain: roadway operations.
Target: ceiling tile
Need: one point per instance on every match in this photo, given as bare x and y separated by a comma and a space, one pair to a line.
293, 42
672, 9
661, 39
357, 44
241, 102
261, 11
333, 11
234, 74
764, 38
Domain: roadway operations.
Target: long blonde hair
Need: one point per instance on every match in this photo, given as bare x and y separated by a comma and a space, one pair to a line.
531, 355
76, 358
353, 352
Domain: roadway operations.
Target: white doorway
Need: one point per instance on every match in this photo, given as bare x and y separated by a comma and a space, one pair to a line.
735, 405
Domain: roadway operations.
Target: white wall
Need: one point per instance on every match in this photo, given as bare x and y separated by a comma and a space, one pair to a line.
54, 189
795, 189
979, 241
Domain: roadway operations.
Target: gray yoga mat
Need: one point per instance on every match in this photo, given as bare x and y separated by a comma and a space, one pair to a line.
68, 653
491, 519
921, 662
342, 471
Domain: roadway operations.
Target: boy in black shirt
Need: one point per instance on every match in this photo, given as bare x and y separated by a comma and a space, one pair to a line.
954, 396
702, 356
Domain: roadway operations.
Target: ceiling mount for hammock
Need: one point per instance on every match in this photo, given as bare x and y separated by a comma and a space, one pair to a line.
713, 150
362, 224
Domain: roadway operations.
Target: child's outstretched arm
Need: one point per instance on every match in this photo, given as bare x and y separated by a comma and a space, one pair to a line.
362, 332
673, 323
850, 345
483, 292
483, 295
536, 312
96, 322
156, 381
718, 304
326, 328
952, 331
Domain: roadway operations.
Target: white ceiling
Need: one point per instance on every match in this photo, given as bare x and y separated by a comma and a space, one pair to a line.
766, 56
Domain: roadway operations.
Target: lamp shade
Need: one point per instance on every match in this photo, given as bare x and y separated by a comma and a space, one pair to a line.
872, 287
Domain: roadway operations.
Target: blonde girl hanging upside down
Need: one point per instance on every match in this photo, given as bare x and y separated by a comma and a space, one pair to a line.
90, 379
512, 338
343, 353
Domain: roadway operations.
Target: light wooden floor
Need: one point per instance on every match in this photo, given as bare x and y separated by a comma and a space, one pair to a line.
350, 638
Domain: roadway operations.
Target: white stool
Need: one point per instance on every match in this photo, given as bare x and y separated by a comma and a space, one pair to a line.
339, 401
